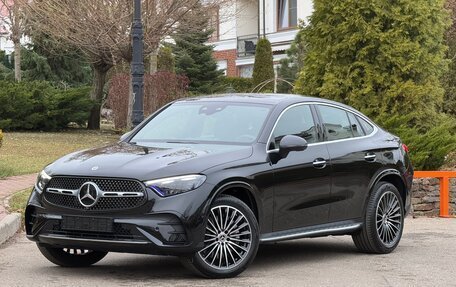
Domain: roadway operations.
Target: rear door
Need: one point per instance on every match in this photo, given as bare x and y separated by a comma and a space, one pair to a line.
302, 179
355, 157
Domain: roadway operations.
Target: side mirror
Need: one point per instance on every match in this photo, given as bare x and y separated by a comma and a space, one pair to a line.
124, 136
291, 143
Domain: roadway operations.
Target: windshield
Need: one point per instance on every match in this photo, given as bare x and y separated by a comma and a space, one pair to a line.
196, 122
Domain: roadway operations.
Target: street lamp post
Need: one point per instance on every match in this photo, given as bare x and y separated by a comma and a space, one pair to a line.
137, 66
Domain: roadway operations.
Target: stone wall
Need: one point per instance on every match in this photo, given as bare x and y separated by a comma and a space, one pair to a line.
426, 197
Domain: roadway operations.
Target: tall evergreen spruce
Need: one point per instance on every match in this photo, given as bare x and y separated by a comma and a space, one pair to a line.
385, 58
194, 59
263, 69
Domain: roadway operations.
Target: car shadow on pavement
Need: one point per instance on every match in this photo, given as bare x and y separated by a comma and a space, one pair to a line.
303, 251
131, 268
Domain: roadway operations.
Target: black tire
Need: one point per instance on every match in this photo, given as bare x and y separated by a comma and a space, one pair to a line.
381, 232
70, 257
247, 248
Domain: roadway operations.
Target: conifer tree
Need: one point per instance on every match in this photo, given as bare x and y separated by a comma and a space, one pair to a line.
263, 68
385, 58
194, 59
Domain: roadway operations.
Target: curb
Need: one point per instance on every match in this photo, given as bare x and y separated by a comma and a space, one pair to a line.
9, 226
11, 223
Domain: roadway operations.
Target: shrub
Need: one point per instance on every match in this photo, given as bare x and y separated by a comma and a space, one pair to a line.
159, 89
1, 138
263, 69
39, 106
236, 85
165, 59
428, 147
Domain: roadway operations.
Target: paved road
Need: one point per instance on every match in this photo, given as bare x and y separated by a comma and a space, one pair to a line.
425, 257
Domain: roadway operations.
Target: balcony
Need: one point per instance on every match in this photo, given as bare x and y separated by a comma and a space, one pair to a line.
246, 45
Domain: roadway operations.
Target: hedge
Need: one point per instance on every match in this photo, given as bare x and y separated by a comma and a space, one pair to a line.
237, 85
40, 106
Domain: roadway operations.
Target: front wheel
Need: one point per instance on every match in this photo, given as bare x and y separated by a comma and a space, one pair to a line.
71, 257
230, 241
384, 221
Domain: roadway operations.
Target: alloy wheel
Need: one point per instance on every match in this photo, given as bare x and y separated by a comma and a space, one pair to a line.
389, 219
77, 251
228, 238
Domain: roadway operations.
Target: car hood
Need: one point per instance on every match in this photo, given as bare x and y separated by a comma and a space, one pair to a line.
156, 160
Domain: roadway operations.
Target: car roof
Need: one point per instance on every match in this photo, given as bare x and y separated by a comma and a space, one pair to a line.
269, 99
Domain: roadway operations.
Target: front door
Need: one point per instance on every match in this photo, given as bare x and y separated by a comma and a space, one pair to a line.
302, 179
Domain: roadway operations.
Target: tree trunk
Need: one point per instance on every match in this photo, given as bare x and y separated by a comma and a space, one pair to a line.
99, 80
153, 62
131, 101
17, 61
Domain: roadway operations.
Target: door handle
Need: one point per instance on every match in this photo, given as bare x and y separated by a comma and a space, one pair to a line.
319, 163
370, 157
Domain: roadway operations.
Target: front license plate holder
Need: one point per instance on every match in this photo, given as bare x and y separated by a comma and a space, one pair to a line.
91, 224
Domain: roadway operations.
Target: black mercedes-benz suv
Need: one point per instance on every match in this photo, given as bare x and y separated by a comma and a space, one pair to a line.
208, 179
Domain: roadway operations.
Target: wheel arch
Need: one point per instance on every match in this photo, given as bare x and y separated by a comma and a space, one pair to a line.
394, 177
243, 191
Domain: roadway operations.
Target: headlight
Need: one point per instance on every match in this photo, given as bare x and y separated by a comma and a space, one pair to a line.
175, 185
41, 181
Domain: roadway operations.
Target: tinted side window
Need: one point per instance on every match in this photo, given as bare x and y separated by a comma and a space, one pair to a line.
336, 123
296, 121
356, 127
367, 127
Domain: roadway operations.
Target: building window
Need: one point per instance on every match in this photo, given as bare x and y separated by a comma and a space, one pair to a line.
222, 65
246, 71
214, 24
287, 14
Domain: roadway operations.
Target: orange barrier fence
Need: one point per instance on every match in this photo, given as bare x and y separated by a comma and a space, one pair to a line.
444, 177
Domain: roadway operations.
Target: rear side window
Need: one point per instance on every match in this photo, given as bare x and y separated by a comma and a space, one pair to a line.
367, 127
336, 123
355, 126
296, 121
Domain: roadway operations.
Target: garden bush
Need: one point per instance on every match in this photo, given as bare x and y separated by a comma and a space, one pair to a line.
236, 85
40, 106
159, 89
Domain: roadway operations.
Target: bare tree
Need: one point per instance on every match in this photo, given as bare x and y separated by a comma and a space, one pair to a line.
101, 29
13, 18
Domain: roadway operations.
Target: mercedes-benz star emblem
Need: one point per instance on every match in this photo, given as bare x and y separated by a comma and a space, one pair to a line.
88, 194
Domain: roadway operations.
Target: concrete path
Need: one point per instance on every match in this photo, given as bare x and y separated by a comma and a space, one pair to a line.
425, 257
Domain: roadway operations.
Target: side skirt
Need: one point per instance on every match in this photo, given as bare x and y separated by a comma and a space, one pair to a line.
335, 228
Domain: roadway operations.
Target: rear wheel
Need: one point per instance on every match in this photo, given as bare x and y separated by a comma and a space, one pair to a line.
384, 221
71, 257
230, 241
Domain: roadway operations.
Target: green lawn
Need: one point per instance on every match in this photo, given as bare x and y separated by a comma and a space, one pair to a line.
18, 201
29, 152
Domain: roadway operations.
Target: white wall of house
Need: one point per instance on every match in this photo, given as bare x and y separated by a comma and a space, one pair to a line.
227, 18
246, 18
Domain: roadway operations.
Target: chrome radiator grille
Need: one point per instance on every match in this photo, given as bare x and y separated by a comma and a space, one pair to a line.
112, 194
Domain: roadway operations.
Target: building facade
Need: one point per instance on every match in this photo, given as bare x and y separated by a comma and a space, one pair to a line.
238, 26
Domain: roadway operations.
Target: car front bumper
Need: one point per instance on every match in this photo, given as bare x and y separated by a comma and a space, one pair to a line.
166, 226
